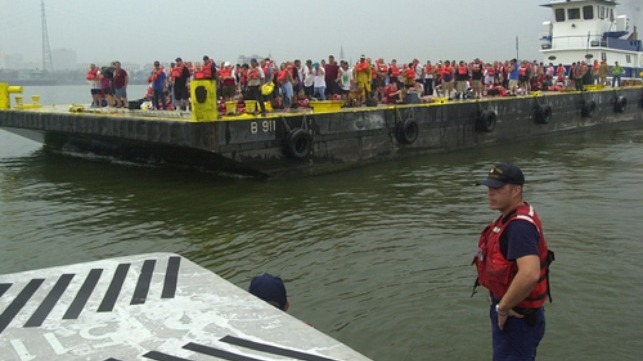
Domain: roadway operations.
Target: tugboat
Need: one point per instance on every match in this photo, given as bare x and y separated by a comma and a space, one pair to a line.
591, 29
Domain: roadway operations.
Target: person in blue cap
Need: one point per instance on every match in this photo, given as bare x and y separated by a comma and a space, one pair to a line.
512, 263
270, 289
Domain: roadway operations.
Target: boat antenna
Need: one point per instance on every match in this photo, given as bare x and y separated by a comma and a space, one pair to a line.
46, 50
517, 48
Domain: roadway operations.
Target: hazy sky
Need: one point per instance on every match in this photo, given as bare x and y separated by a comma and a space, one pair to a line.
145, 30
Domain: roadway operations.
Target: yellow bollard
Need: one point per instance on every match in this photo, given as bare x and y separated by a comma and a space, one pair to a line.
204, 100
35, 99
19, 101
4, 96
5, 91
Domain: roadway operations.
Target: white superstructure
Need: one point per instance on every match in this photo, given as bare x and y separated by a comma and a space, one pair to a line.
588, 30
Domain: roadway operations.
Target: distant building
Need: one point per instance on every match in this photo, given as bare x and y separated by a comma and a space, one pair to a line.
63, 59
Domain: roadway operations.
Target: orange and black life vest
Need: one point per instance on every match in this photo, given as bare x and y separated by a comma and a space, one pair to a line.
463, 70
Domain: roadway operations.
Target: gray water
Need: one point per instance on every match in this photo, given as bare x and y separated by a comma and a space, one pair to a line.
377, 257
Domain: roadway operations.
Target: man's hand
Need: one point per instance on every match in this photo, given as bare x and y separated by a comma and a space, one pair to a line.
503, 315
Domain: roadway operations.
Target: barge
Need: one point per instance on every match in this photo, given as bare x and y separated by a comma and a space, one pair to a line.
309, 143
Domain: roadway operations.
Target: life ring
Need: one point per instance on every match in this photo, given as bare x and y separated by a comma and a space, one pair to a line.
543, 114
407, 132
620, 104
486, 121
299, 143
589, 108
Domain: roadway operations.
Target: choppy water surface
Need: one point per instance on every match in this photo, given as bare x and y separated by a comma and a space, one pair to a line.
376, 257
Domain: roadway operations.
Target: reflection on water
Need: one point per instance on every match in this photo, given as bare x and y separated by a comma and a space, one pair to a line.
377, 257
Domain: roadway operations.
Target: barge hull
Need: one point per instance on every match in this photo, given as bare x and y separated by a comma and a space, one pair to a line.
306, 144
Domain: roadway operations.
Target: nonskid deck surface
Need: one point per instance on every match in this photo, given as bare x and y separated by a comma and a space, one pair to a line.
157, 306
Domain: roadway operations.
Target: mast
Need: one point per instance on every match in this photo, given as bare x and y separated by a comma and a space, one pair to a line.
47, 63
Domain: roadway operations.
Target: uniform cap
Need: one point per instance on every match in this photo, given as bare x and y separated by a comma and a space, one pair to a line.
503, 173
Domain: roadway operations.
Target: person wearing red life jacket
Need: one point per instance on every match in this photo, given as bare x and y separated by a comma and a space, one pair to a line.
157, 83
429, 71
227, 81
255, 80
94, 82
461, 79
180, 75
447, 79
512, 262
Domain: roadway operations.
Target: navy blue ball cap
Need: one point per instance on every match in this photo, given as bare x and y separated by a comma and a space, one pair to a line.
270, 289
503, 173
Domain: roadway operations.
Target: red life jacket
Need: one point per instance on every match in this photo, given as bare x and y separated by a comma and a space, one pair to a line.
225, 73
410, 73
177, 71
362, 66
395, 71
522, 71
253, 73
283, 75
154, 75
382, 68
462, 70
207, 70
428, 69
491, 71
496, 273
92, 74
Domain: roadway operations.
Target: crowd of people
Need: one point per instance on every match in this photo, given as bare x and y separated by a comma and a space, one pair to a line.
292, 84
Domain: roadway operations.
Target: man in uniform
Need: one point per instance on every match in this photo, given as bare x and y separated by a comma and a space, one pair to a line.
512, 263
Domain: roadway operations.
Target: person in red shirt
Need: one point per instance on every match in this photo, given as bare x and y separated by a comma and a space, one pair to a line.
120, 85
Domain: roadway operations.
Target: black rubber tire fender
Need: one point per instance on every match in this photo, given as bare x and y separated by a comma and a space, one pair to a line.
486, 122
620, 104
407, 132
543, 114
589, 108
299, 143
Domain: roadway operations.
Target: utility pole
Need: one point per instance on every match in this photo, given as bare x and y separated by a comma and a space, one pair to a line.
47, 63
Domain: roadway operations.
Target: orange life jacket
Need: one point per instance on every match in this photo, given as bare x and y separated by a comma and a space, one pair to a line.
382, 68
362, 66
283, 75
177, 71
253, 73
92, 74
395, 71
428, 69
463, 70
225, 72
154, 75
410, 73
496, 273
207, 70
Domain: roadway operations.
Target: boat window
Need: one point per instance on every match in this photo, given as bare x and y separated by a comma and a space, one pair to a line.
588, 12
573, 13
601, 12
603, 55
560, 15
628, 59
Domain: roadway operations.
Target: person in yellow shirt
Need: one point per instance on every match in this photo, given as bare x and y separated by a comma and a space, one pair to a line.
363, 76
